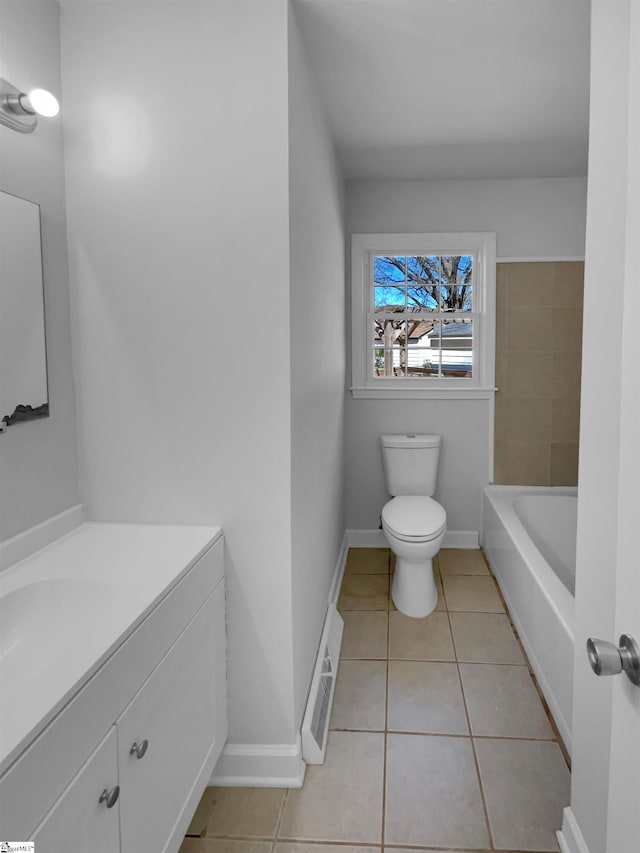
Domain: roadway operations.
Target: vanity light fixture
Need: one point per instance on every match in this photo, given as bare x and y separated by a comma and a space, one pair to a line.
20, 111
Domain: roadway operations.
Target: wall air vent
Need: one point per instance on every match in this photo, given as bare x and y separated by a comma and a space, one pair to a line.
315, 725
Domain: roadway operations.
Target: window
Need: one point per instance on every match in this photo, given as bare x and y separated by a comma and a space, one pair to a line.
423, 321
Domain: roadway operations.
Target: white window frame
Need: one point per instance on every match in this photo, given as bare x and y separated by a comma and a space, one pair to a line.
364, 247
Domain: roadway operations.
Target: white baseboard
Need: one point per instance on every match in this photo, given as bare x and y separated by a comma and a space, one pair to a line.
366, 539
250, 765
570, 839
25, 544
338, 572
461, 539
376, 539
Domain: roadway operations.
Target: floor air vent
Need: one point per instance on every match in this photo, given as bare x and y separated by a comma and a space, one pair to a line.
315, 725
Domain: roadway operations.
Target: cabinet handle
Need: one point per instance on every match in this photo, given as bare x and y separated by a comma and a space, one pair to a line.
110, 797
139, 750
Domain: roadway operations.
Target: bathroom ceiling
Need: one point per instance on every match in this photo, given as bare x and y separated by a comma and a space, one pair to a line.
461, 89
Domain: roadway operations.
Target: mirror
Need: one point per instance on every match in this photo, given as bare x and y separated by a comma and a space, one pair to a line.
23, 359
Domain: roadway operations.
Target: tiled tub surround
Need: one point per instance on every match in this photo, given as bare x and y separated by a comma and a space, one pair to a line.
538, 362
439, 740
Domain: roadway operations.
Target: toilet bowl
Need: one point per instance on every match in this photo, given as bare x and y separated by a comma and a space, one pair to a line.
414, 526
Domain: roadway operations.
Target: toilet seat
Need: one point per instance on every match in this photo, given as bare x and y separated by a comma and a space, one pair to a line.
414, 518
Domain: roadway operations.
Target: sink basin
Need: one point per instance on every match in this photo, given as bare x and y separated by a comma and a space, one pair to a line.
41, 620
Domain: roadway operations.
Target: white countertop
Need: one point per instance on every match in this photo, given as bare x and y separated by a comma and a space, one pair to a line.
80, 597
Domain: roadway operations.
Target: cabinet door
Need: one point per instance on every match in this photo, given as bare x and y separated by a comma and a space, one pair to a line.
78, 821
172, 724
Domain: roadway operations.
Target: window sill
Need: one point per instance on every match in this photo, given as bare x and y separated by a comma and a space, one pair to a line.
406, 393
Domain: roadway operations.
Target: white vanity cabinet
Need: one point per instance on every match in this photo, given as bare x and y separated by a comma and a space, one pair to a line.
79, 821
154, 717
170, 725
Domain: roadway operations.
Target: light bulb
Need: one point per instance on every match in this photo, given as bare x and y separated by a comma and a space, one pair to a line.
42, 102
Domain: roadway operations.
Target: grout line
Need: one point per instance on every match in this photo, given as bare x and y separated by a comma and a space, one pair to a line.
386, 720
281, 814
473, 747
375, 845
468, 735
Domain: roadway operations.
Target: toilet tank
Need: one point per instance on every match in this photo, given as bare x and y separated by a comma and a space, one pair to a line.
410, 463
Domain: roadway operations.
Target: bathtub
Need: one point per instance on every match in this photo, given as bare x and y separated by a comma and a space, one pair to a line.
528, 536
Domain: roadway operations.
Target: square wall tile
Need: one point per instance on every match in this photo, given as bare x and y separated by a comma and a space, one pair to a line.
529, 375
364, 592
433, 796
530, 328
425, 697
567, 331
523, 463
502, 284
485, 638
365, 634
360, 696
501, 373
564, 464
566, 378
526, 787
530, 283
420, 639
565, 420
469, 593
341, 799
503, 702
568, 283
523, 420
367, 561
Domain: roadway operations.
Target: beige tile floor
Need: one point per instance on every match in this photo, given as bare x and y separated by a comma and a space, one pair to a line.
439, 739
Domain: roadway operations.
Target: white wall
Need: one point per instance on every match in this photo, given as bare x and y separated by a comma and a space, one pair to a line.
532, 218
38, 458
177, 188
317, 361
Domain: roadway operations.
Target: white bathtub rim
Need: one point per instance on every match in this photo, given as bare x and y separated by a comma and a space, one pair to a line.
501, 528
544, 576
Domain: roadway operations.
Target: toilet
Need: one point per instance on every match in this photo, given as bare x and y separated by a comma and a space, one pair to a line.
413, 523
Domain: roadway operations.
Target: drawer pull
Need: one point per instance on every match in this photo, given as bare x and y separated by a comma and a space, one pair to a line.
139, 750
110, 797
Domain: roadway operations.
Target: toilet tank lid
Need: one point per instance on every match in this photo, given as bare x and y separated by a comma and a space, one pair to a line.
410, 440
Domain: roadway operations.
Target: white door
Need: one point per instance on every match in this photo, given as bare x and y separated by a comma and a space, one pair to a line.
623, 826
605, 792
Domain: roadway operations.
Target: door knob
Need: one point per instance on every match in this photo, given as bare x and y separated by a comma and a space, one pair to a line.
607, 659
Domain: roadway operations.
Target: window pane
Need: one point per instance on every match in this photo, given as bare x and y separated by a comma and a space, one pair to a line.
452, 347
423, 280
420, 362
457, 297
424, 270
388, 297
457, 272
389, 353
389, 269
423, 297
